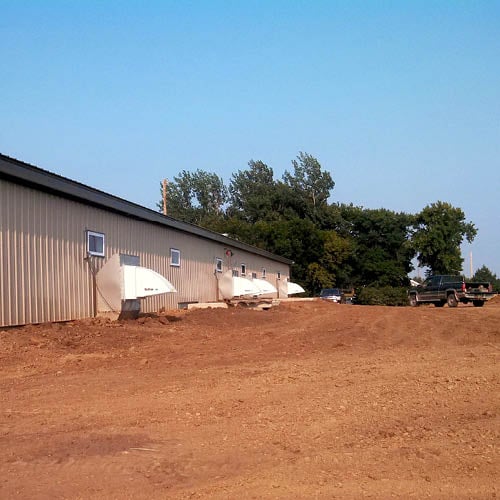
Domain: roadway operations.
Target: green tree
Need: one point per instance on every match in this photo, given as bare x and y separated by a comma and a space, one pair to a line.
310, 184
438, 231
318, 277
252, 192
381, 252
301, 241
195, 197
484, 274
330, 267
297, 239
179, 197
334, 258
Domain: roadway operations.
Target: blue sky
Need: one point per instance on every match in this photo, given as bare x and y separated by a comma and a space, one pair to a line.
399, 100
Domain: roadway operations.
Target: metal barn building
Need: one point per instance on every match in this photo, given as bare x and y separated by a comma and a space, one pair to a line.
55, 235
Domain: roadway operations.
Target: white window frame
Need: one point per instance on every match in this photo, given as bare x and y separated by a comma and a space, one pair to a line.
218, 264
243, 269
95, 234
175, 261
264, 273
278, 275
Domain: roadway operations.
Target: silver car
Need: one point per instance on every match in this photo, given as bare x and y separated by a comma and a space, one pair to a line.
331, 294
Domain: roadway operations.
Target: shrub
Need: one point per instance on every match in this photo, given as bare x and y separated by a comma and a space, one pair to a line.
382, 296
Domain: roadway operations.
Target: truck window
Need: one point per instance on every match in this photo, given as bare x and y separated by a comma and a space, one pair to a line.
436, 280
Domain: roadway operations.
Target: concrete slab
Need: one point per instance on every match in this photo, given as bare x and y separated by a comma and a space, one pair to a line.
207, 305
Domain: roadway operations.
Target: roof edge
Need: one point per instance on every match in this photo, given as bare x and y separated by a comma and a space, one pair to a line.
27, 174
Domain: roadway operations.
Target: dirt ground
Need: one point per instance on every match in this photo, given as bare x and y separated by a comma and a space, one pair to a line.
306, 400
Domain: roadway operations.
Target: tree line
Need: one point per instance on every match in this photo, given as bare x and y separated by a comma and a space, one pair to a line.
331, 244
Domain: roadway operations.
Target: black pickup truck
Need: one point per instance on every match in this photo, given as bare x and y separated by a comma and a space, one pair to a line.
443, 289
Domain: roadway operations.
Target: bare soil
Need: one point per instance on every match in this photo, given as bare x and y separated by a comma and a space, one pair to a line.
306, 400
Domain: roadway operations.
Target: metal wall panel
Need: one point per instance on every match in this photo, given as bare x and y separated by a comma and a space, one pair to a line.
44, 274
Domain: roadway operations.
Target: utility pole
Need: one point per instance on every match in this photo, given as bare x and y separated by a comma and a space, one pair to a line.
164, 193
471, 272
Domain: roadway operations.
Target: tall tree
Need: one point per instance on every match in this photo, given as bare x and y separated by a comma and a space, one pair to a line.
317, 278
310, 184
381, 251
439, 229
195, 196
210, 192
334, 258
484, 274
331, 267
252, 191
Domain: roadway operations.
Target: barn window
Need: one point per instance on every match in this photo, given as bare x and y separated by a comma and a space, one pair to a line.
218, 264
95, 243
278, 275
175, 257
263, 273
243, 269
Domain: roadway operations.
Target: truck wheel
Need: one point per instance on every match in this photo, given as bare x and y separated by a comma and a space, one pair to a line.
452, 300
478, 303
413, 300
441, 303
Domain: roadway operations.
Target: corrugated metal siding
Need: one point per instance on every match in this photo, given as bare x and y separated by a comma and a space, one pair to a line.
44, 274
43, 277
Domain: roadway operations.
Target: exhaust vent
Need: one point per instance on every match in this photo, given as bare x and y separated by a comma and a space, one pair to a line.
289, 288
264, 286
121, 283
231, 287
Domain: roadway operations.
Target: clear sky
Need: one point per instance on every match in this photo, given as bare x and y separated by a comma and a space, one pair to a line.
399, 100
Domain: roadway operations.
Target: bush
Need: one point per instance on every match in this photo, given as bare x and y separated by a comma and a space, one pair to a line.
382, 296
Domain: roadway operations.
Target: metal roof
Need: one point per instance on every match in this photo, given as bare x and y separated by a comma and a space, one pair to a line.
23, 173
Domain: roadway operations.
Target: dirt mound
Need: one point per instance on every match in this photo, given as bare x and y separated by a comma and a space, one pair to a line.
495, 300
305, 400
